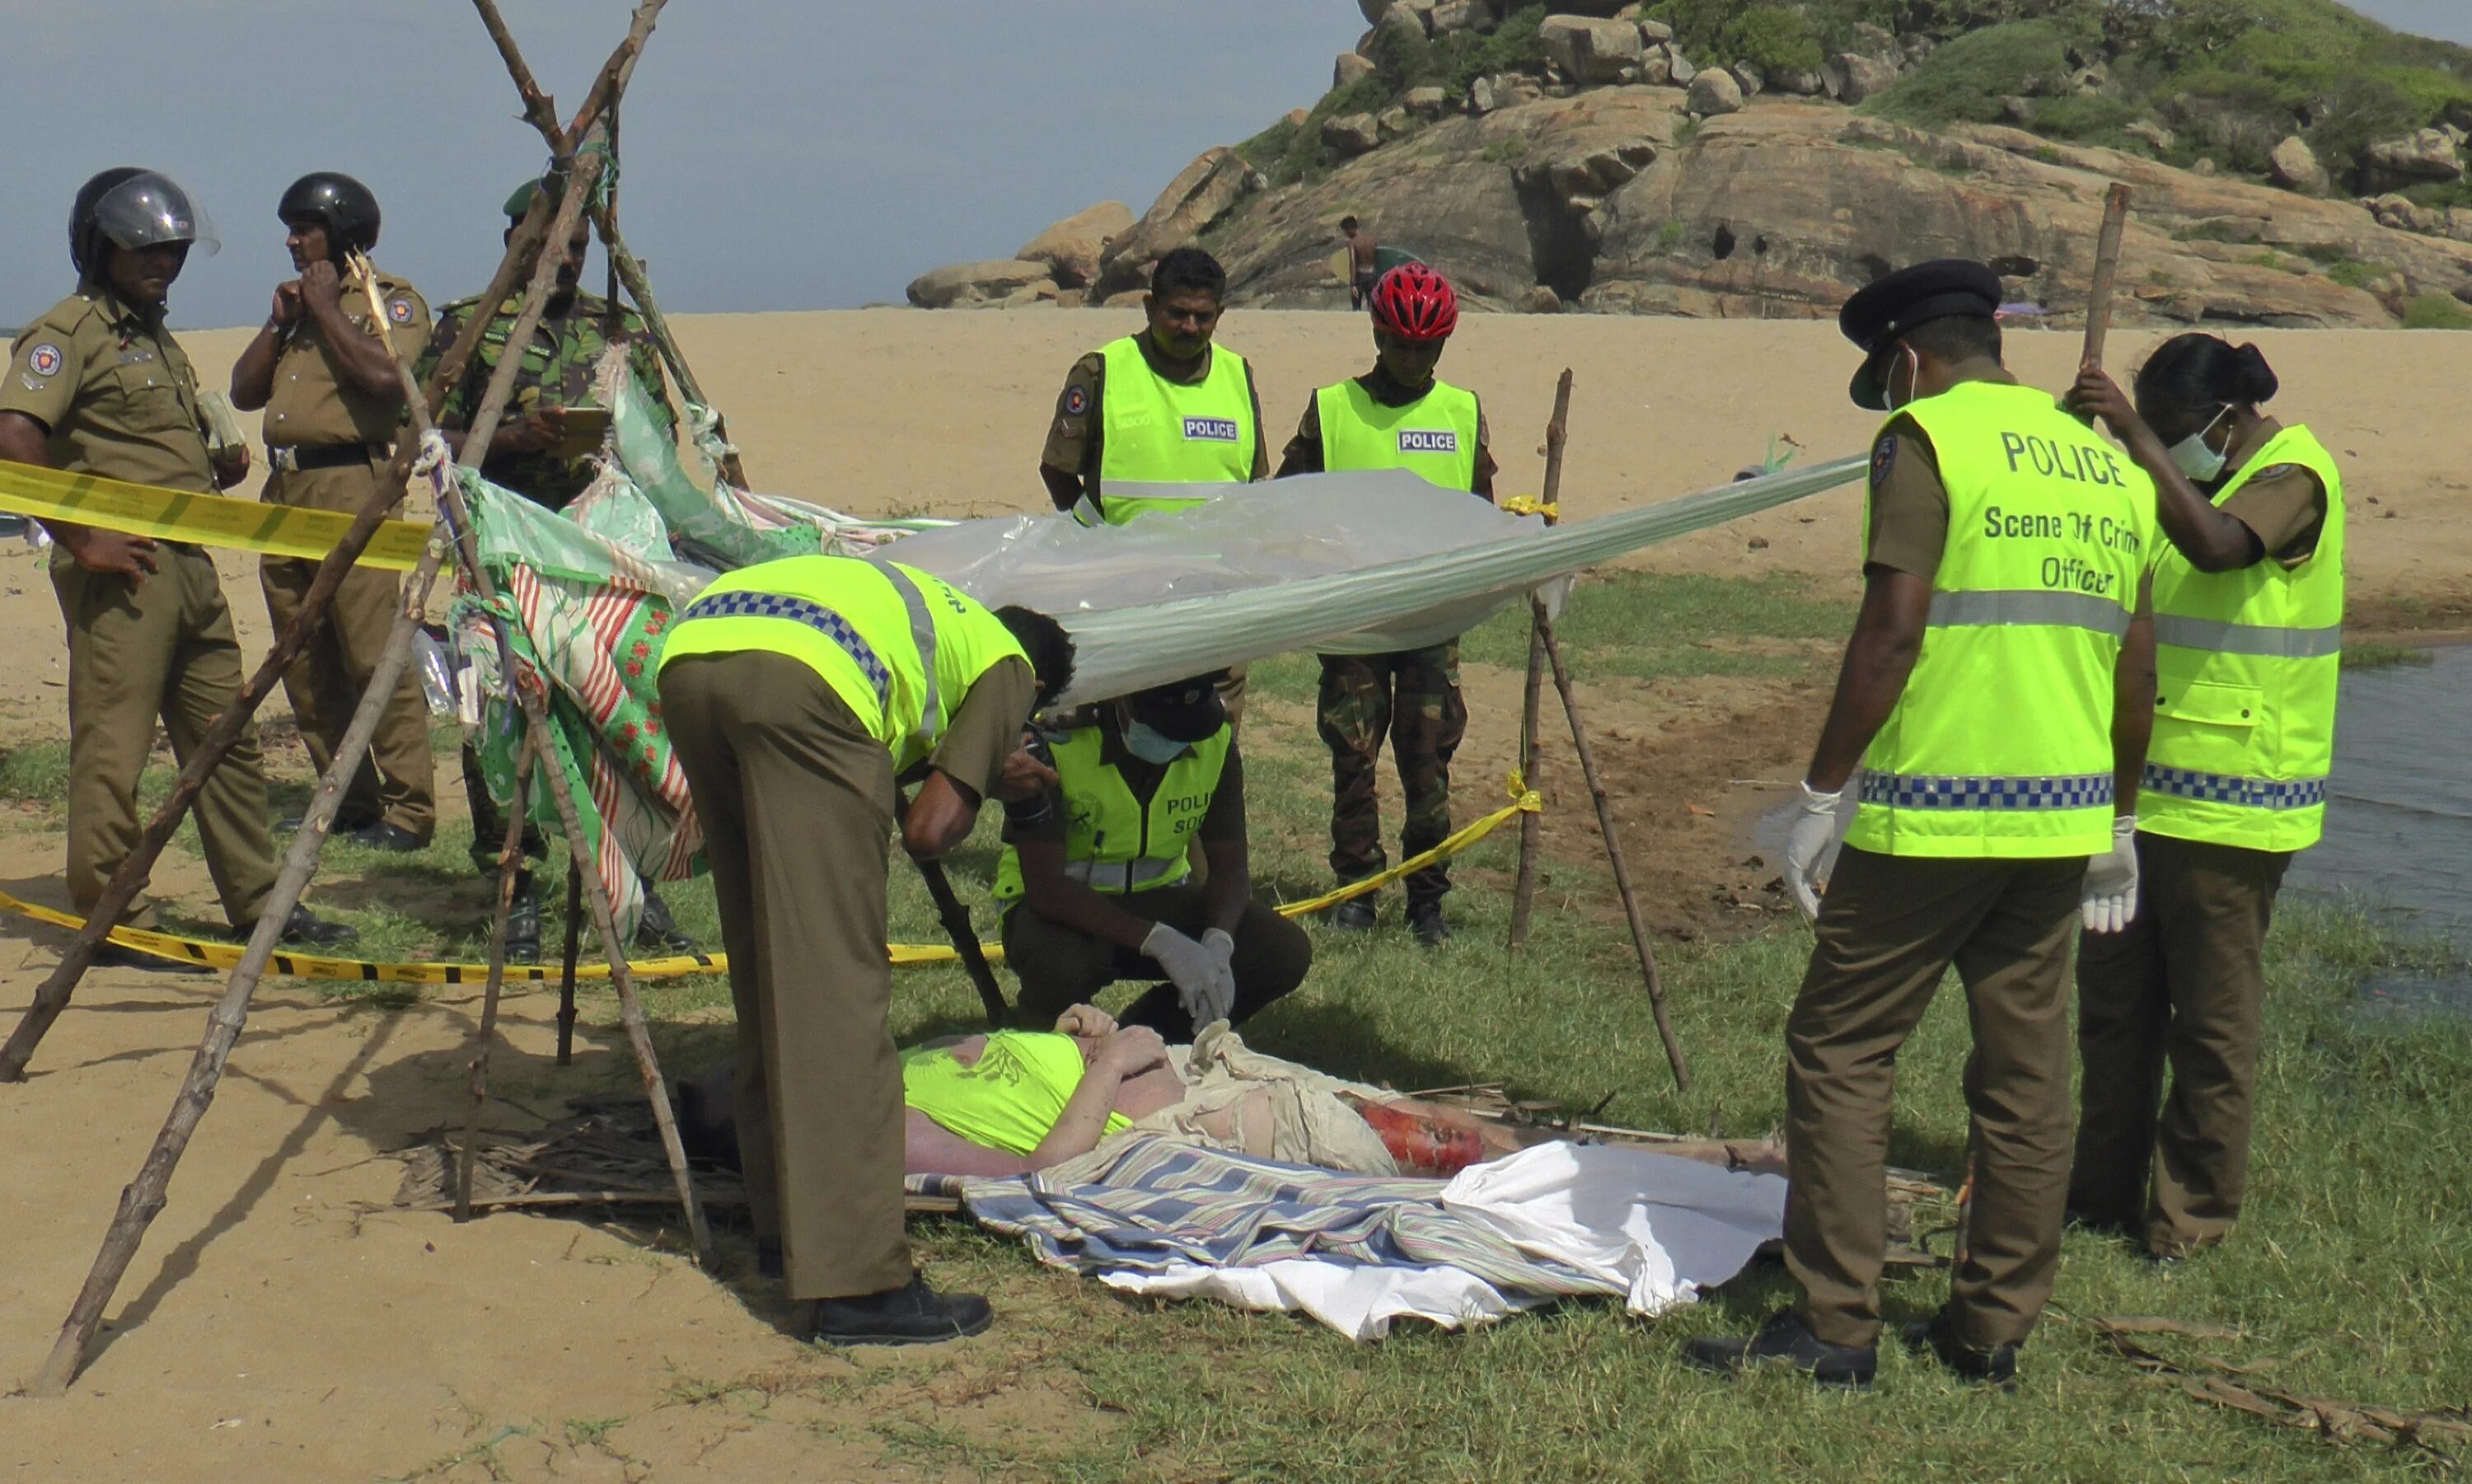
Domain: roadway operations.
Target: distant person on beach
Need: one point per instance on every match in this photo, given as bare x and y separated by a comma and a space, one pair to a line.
323, 368
537, 454
2248, 633
1361, 274
1996, 692
1397, 416
99, 386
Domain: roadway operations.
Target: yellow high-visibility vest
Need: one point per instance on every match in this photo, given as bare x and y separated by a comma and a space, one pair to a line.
2000, 745
900, 646
1436, 435
1111, 843
2248, 664
1155, 431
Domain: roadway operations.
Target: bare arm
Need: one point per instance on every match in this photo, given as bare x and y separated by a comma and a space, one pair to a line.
363, 356
1058, 897
253, 378
939, 817
2132, 704
1879, 656
2212, 541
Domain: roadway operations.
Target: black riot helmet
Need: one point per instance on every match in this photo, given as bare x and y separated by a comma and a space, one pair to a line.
337, 202
130, 207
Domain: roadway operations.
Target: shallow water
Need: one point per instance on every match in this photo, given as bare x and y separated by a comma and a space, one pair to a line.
2399, 817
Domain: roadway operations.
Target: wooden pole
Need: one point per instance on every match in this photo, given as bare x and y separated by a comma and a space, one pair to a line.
639, 288
2106, 270
510, 858
142, 1199
566, 969
1614, 854
1523, 895
53, 995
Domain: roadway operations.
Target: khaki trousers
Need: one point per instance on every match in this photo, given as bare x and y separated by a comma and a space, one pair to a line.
397, 782
796, 804
159, 649
1888, 929
2183, 988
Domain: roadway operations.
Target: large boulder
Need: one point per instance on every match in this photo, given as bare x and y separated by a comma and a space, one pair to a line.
1201, 194
1372, 11
961, 285
1349, 134
1427, 102
2424, 156
1589, 50
1854, 76
1405, 19
1476, 16
1798, 81
1348, 68
1714, 92
1072, 247
2295, 167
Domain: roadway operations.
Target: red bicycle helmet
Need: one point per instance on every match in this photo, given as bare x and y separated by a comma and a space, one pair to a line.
1415, 302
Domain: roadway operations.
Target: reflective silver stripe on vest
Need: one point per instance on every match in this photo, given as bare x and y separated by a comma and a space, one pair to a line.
922, 633
2046, 609
1118, 876
2222, 638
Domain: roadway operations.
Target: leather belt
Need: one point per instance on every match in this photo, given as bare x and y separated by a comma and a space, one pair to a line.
295, 458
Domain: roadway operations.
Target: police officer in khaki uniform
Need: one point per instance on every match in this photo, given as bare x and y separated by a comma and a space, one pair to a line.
99, 386
1996, 692
796, 693
334, 399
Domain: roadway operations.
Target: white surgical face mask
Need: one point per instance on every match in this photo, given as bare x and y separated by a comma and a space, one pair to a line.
1913, 364
1150, 746
2193, 457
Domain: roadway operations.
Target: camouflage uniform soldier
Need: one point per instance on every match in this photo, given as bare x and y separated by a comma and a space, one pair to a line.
537, 454
1397, 416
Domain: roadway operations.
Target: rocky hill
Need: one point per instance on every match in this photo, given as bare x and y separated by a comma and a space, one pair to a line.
2295, 165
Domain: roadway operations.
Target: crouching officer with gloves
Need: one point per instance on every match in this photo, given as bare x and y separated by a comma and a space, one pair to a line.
1997, 690
1095, 876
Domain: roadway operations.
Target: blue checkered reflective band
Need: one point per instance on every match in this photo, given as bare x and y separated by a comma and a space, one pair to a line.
814, 615
2225, 788
1918, 790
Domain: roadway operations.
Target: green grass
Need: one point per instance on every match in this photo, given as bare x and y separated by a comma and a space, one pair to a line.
2345, 1279
2437, 312
2383, 656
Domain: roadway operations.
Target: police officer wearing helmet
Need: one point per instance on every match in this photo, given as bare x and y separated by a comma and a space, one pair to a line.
1397, 416
2248, 633
326, 372
1095, 884
1997, 692
99, 386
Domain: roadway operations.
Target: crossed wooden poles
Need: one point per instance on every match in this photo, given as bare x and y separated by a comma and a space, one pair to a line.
581, 148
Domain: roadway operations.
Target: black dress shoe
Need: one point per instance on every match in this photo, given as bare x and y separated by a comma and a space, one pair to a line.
1997, 1365
393, 839
658, 930
1425, 921
913, 1314
1356, 915
1786, 1340
312, 931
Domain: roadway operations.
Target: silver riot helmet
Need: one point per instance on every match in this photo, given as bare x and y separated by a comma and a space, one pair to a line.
134, 208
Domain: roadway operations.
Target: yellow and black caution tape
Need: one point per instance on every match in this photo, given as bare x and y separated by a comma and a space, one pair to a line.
209, 953
1525, 505
200, 519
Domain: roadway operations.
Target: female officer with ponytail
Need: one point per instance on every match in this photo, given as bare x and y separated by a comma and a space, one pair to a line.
2248, 615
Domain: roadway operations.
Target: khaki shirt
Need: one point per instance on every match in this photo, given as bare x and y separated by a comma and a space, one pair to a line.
1074, 439
114, 390
313, 402
985, 729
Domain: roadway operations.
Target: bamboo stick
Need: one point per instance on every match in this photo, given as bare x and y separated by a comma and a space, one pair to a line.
141, 1201
1614, 854
566, 969
53, 995
639, 288
2106, 270
1531, 828
510, 855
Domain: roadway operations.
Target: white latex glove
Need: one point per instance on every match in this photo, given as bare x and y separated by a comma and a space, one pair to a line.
1188, 965
1810, 842
2108, 901
1222, 949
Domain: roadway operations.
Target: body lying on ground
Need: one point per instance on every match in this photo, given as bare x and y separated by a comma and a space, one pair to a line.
1011, 1101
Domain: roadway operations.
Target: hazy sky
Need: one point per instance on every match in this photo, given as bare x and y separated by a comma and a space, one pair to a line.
779, 154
